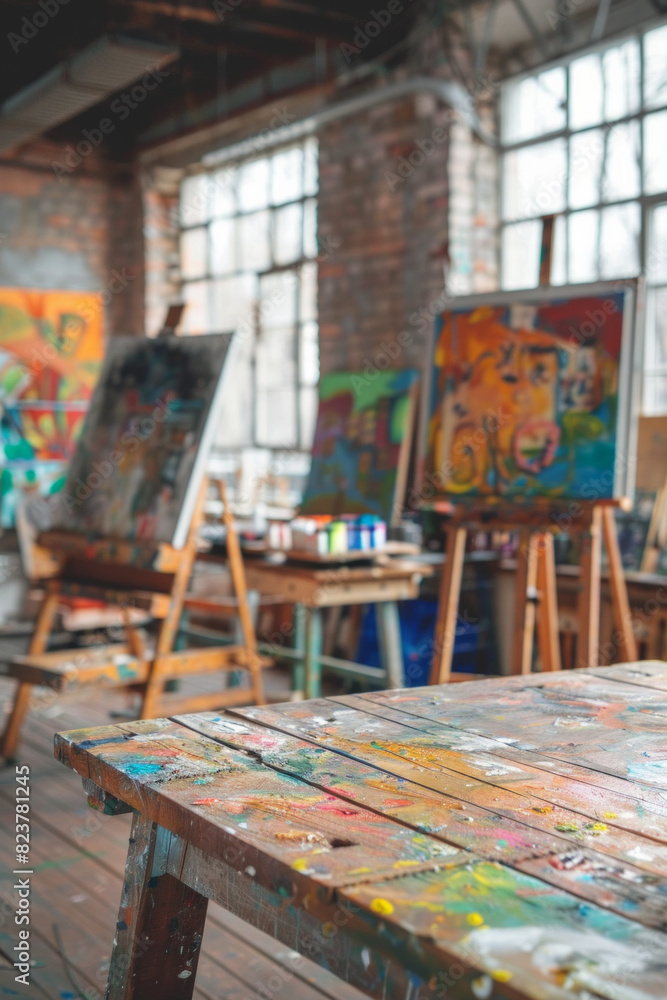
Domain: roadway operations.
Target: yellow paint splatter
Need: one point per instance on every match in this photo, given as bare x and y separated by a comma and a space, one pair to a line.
597, 827
382, 906
502, 975
405, 864
543, 809
475, 919
360, 871
609, 815
300, 865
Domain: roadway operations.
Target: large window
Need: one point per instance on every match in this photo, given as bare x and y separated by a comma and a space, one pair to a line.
248, 264
587, 140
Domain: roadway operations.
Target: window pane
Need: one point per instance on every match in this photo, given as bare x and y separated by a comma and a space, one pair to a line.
286, 176
278, 300
656, 264
310, 355
223, 246
655, 395
276, 418
655, 152
275, 358
586, 158
196, 318
287, 226
621, 78
534, 180
619, 241
655, 67
254, 247
520, 255
224, 200
534, 106
310, 248
586, 91
308, 404
308, 297
253, 185
194, 247
656, 332
583, 232
310, 167
233, 301
621, 176
194, 206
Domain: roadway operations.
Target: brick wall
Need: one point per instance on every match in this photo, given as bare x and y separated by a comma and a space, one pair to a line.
161, 201
81, 231
400, 187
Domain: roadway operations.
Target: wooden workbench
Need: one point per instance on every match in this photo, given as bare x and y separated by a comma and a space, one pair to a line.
502, 840
311, 588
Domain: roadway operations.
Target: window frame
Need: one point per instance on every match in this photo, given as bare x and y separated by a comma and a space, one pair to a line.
647, 203
309, 194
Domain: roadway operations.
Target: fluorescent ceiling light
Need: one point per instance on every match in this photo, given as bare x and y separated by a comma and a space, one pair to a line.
97, 72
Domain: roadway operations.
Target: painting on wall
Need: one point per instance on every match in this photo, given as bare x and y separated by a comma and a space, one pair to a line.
530, 395
51, 349
362, 444
140, 459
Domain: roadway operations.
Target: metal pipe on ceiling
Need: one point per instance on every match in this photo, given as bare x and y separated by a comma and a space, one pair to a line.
453, 94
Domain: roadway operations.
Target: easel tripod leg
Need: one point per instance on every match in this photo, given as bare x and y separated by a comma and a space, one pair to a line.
524, 603
588, 640
547, 615
448, 606
619, 590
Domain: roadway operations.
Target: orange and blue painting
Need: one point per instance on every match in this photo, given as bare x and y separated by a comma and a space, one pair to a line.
362, 442
525, 398
51, 350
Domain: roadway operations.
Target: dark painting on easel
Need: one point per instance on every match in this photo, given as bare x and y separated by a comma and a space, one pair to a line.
362, 443
530, 395
140, 460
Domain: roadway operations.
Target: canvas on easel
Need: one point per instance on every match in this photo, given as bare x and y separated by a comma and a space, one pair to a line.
362, 443
529, 395
136, 472
528, 426
131, 538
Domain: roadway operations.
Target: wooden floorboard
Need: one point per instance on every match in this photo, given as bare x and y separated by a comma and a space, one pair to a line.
78, 859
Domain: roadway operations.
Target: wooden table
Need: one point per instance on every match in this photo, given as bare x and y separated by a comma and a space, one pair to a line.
496, 840
313, 587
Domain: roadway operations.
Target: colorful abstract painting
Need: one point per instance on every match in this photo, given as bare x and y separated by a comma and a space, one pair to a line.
362, 444
528, 396
140, 459
51, 349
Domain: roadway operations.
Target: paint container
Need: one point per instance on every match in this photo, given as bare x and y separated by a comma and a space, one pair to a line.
338, 537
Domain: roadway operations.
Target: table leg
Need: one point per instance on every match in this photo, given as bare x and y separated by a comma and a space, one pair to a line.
299, 667
389, 639
160, 924
313, 650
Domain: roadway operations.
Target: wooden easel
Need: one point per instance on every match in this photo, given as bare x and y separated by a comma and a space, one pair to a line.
151, 577
536, 594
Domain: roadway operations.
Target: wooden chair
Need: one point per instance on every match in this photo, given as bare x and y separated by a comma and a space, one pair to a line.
133, 575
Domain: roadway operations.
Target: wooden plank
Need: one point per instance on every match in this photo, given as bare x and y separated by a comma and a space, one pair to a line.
226, 801
443, 816
647, 673
590, 816
547, 614
536, 939
112, 665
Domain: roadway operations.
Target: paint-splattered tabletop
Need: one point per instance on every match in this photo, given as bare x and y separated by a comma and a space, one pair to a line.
496, 840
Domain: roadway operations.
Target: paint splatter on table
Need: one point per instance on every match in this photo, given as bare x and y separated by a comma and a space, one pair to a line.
498, 840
